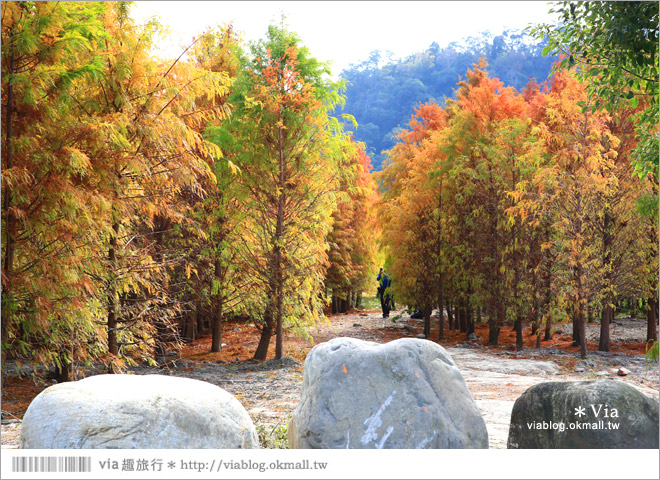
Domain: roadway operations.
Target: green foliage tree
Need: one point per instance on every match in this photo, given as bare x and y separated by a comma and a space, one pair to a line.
282, 144
615, 45
50, 215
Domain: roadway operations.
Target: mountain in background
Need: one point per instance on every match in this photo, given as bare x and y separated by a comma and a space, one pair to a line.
382, 92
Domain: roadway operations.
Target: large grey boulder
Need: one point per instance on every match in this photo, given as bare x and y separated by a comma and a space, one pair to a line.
404, 394
588, 414
137, 411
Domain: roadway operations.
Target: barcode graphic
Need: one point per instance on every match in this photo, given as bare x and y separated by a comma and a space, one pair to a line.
51, 464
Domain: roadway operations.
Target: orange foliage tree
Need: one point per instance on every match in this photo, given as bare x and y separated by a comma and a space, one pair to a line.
520, 206
353, 238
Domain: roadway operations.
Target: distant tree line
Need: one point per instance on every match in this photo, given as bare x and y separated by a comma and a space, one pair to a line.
382, 97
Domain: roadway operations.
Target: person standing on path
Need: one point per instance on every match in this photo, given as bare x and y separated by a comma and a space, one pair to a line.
386, 298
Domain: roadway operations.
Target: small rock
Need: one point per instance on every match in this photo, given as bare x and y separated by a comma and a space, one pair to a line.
579, 369
409, 328
623, 372
420, 335
357, 324
602, 373
472, 336
236, 329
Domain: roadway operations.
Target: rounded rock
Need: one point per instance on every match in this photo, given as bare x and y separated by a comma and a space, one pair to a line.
137, 411
584, 414
404, 394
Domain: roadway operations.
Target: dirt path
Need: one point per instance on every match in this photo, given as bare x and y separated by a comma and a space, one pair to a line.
496, 377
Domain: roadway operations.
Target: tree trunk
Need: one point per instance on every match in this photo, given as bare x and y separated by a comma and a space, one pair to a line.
344, 305
427, 322
450, 316
264, 340
607, 313
534, 315
519, 332
604, 344
534, 325
546, 307
518, 322
469, 322
269, 313
494, 322
441, 317
191, 331
462, 317
548, 327
652, 320
576, 329
163, 331
216, 326
193, 327
279, 233
201, 323
113, 345
581, 324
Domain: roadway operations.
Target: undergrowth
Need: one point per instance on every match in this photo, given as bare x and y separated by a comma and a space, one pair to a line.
276, 437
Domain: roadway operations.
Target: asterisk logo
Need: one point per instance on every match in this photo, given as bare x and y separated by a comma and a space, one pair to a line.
580, 411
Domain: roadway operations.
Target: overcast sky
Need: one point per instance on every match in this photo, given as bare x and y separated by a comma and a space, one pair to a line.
346, 32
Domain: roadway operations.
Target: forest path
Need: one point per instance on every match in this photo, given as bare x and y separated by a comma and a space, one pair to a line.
496, 376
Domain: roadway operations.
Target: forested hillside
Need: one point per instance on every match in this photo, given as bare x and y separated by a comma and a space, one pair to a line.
382, 92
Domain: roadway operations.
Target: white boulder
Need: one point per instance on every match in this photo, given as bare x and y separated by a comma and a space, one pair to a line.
137, 411
404, 394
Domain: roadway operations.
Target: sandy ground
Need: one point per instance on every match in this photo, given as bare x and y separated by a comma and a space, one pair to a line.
496, 378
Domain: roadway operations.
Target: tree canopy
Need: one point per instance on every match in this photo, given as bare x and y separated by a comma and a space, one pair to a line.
615, 46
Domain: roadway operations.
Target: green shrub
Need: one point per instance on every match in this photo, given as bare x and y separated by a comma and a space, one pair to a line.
275, 437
